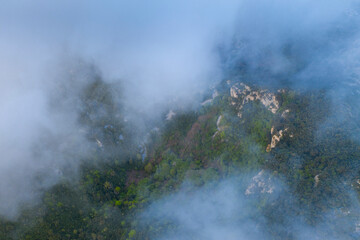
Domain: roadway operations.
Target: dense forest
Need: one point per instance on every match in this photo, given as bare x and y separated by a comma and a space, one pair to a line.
309, 180
180, 120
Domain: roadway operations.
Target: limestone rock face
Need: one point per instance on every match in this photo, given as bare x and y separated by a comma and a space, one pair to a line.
170, 115
242, 94
260, 183
275, 138
219, 128
214, 95
246, 94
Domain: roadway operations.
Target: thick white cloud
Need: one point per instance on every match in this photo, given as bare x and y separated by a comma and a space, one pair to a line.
160, 50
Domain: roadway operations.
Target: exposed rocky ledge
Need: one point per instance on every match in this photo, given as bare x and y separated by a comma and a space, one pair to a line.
242, 94
275, 138
260, 183
246, 94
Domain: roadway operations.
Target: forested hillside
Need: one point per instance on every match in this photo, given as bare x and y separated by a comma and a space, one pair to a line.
293, 164
180, 120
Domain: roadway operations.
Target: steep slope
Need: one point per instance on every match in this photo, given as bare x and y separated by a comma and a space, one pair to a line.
277, 149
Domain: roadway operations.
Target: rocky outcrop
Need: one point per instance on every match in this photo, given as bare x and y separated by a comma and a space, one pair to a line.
285, 113
214, 95
245, 94
275, 138
317, 180
242, 94
357, 227
99, 143
261, 183
170, 115
219, 128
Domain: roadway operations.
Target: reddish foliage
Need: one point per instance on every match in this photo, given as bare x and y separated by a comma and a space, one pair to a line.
134, 177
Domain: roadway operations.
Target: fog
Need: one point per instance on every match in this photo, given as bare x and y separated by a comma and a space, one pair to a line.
161, 52
240, 208
220, 211
302, 44
165, 54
